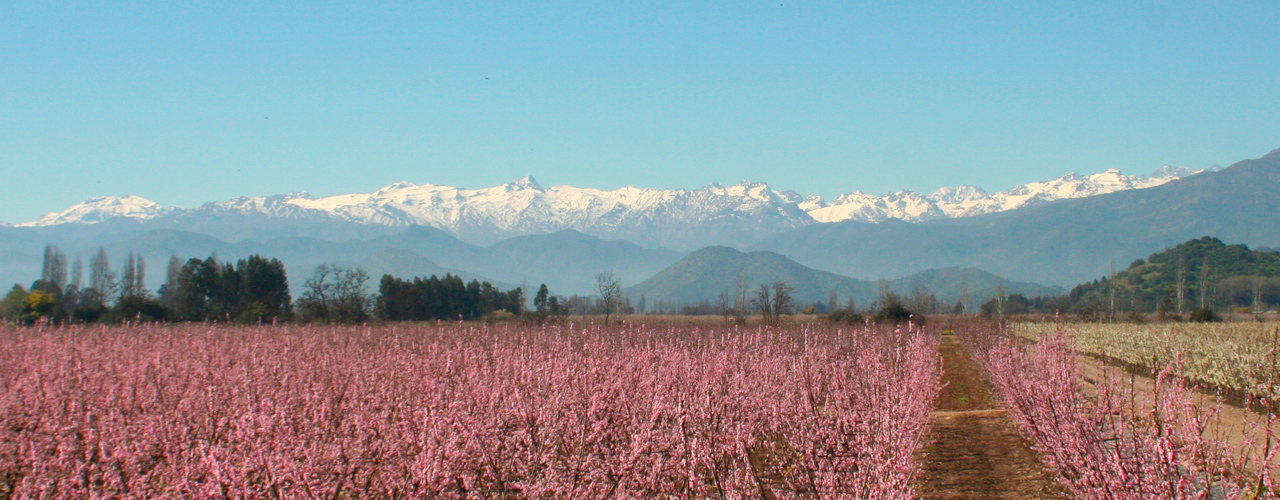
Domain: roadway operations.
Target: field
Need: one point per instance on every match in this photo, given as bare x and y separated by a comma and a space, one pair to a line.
1238, 356
668, 409
1124, 436
464, 411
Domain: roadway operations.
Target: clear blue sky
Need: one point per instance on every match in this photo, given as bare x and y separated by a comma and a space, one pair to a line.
183, 104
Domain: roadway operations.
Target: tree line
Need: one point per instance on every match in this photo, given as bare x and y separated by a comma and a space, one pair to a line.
447, 298
251, 290
256, 290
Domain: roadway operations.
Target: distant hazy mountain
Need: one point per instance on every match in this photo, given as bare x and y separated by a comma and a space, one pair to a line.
677, 218
705, 274
568, 261
1059, 243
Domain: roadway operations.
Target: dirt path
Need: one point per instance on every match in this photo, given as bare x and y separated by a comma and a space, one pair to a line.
977, 452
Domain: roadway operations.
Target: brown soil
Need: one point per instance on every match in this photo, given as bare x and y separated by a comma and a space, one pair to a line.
1241, 428
977, 451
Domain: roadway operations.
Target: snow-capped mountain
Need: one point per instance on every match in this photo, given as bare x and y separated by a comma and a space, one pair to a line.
671, 217
103, 208
525, 207
965, 201
679, 218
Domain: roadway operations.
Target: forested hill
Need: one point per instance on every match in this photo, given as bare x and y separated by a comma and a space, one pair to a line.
1203, 272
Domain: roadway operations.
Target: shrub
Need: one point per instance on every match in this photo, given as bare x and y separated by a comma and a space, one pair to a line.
1204, 315
846, 316
499, 315
896, 313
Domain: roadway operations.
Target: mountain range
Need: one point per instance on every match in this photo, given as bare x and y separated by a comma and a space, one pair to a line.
1060, 243
682, 219
1056, 233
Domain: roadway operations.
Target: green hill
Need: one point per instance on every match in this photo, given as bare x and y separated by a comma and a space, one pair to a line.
1209, 272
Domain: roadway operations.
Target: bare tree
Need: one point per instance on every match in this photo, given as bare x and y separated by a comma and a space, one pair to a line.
101, 279
740, 296
782, 299
1111, 291
609, 288
1181, 283
54, 270
140, 277
1000, 301
763, 302
128, 277
1202, 288
77, 274
335, 294
352, 303
314, 303
1257, 294
923, 300
172, 274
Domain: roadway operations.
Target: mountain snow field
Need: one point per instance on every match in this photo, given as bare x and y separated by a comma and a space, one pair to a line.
525, 207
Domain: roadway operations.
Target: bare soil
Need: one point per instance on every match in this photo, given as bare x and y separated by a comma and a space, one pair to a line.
1240, 427
977, 452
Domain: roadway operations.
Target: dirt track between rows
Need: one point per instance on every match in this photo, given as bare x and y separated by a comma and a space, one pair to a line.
976, 451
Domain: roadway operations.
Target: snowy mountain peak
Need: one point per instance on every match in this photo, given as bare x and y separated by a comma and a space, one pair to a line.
1170, 171
964, 201
98, 209
958, 194
713, 214
527, 182
396, 186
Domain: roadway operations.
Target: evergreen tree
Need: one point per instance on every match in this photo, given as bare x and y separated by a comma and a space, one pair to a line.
14, 302
264, 293
447, 298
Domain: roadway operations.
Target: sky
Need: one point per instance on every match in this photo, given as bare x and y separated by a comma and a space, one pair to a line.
188, 102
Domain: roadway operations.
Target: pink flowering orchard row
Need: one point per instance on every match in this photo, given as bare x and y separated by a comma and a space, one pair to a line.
1117, 441
463, 411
